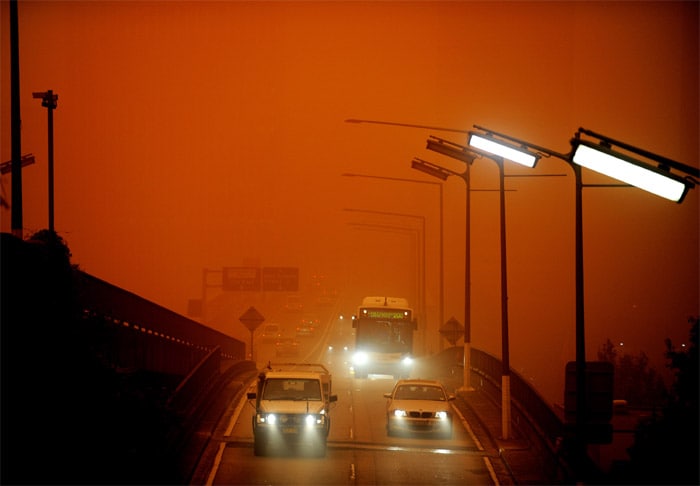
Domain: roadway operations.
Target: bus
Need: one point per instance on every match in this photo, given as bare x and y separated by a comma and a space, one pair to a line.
384, 328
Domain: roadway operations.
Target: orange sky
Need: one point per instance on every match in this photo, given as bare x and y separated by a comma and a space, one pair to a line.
192, 135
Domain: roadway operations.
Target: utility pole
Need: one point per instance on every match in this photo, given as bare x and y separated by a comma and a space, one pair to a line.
15, 123
49, 100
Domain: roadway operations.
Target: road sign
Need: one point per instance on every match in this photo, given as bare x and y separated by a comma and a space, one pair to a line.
251, 319
452, 330
285, 279
241, 278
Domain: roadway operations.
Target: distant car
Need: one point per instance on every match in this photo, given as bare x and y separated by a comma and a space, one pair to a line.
419, 408
305, 329
310, 320
287, 346
271, 332
293, 304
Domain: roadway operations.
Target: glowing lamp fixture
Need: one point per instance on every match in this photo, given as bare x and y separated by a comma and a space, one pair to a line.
503, 149
605, 161
654, 177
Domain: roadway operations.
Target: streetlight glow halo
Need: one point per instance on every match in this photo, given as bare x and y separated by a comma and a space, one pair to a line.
631, 171
502, 149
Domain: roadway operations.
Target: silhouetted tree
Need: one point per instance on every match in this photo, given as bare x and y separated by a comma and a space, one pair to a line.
666, 449
634, 381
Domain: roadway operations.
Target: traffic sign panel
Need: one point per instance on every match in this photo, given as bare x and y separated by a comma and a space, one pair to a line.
280, 279
241, 278
251, 319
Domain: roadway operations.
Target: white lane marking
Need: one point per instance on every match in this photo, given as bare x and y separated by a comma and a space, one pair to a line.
217, 461
237, 412
468, 427
492, 473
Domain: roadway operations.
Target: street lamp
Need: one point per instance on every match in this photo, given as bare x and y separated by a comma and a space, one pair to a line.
443, 173
441, 311
585, 154
600, 157
49, 100
464, 154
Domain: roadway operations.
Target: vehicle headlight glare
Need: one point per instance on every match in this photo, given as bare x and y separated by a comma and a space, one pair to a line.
407, 361
399, 413
360, 358
441, 415
271, 419
310, 419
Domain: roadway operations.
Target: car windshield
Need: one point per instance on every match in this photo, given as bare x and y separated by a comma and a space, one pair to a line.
419, 392
291, 389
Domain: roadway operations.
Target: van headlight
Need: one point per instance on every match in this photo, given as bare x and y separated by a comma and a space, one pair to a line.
441, 415
311, 420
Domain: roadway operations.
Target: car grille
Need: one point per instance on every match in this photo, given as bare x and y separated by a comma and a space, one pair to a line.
415, 414
291, 419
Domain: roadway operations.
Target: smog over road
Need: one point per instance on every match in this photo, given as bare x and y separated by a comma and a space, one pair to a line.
190, 137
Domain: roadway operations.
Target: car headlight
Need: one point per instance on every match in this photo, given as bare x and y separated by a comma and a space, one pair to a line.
407, 361
311, 420
399, 413
360, 358
441, 415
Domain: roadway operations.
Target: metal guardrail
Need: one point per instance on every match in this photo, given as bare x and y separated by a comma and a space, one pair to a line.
533, 415
131, 332
531, 404
102, 298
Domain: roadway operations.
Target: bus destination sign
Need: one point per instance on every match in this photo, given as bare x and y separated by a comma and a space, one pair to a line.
392, 314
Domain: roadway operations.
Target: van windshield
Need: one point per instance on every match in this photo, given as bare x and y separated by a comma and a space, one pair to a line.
291, 389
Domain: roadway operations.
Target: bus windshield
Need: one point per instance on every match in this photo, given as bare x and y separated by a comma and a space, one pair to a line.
384, 336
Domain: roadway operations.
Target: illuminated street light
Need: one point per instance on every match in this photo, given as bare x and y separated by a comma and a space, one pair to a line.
582, 411
659, 180
463, 153
502, 149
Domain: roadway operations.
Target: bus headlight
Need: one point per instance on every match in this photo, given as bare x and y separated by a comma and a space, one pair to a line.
269, 418
360, 358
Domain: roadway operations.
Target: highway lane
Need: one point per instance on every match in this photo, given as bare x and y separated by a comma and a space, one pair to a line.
359, 450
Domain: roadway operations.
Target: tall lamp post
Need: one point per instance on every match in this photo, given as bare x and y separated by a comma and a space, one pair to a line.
441, 311
459, 152
599, 157
443, 173
49, 100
